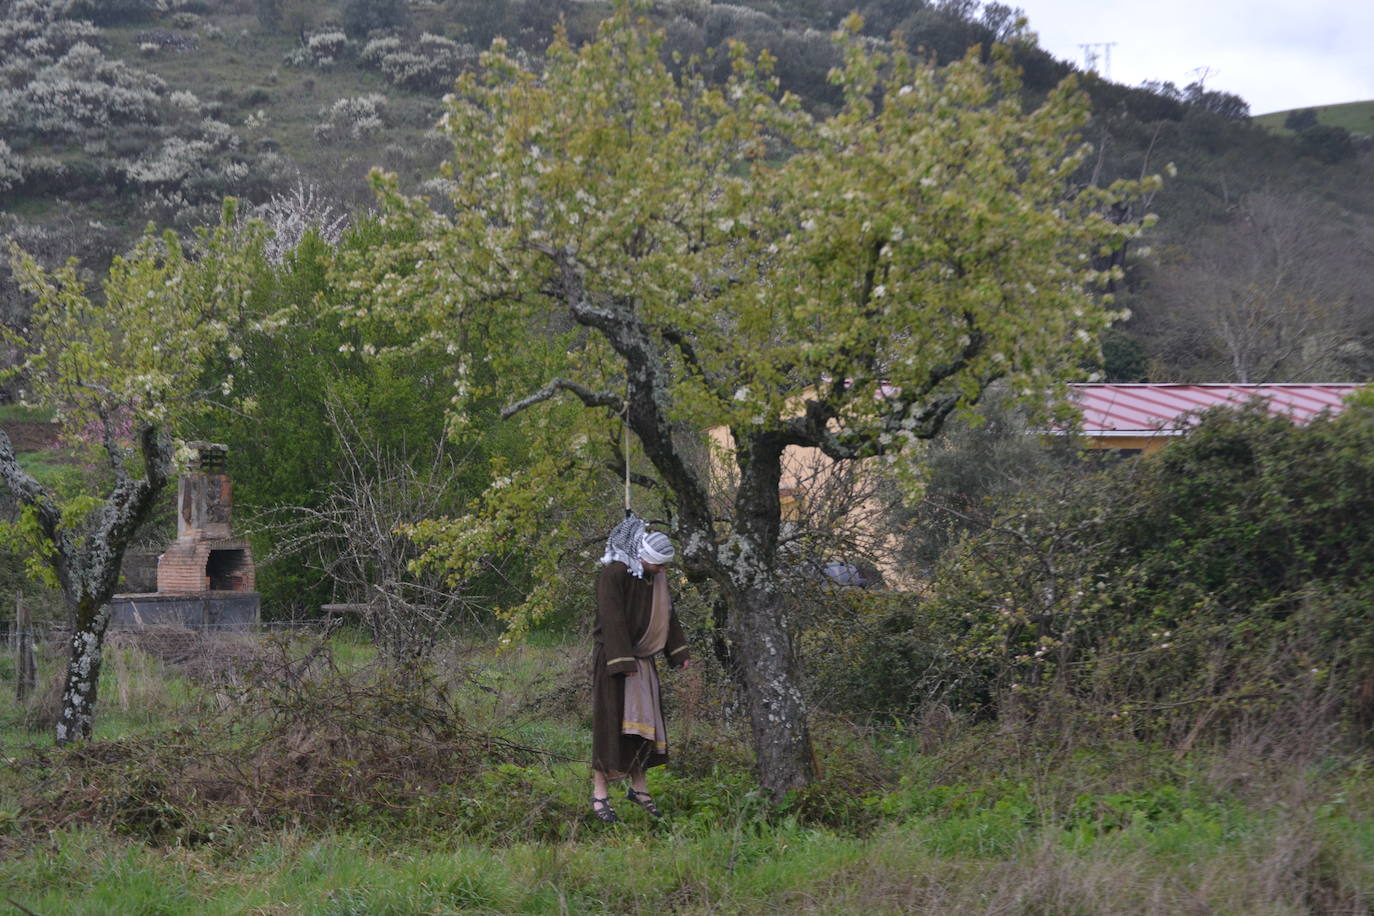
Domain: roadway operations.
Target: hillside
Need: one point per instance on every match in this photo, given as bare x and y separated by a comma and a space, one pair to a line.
1356, 117
117, 113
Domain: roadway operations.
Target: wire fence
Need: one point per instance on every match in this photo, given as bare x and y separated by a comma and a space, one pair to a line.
40, 633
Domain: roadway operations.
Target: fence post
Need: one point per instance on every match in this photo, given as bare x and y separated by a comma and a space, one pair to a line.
25, 671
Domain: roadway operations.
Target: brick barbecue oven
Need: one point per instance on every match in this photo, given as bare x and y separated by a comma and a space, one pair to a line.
206, 577
205, 557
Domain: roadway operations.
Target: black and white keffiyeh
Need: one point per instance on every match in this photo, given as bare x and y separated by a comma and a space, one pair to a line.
631, 543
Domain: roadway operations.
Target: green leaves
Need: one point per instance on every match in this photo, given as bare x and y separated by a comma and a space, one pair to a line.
140, 349
729, 260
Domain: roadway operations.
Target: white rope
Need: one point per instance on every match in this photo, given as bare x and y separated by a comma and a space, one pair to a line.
625, 426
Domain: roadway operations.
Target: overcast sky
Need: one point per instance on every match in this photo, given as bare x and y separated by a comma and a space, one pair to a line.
1275, 54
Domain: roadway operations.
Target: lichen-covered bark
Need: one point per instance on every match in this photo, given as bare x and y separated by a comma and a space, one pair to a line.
76, 720
87, 567
758, 618
777, 712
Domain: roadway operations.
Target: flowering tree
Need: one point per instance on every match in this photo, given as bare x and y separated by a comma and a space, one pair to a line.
684, 257
122, 366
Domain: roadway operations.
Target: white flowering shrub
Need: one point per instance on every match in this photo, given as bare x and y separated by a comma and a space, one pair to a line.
185, 101
42, 172
352, 118
196, 165
219, 133
11, 172
687, 9
326, 47
290, 216
432, 65
235, 172
83, 91
31, 32
378, 48
173, 162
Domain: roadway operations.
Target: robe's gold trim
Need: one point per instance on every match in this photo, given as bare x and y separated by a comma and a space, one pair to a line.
679, 649
616, 661
641, 730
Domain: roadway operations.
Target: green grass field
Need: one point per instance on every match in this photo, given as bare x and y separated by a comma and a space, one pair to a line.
907, 818
1356, 117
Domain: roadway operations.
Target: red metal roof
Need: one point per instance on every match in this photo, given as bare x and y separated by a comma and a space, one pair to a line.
1165, 410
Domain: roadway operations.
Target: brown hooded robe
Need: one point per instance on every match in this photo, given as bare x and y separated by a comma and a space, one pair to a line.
624, 605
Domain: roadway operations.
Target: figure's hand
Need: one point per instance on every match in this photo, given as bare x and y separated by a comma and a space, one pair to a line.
686, 663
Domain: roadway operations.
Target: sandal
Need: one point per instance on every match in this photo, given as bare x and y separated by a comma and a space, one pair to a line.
601, 807
643, 799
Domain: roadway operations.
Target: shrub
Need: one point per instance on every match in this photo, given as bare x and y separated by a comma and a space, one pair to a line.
1300, 119
1328, 142
83, 90
10, 172
175, 160
324, 48
363, 16
354, 118
1226, 578
32, 33
115, 12
185, 101
431, 67
378, 48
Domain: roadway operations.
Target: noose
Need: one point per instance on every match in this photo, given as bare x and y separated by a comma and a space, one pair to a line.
625, 449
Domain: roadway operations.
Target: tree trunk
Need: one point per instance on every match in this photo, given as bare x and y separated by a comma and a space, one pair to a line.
758, 620
777, 711
75, 721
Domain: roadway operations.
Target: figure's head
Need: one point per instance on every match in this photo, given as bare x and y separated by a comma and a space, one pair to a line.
656, 551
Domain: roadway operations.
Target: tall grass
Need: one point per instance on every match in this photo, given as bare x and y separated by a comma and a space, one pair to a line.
969, 819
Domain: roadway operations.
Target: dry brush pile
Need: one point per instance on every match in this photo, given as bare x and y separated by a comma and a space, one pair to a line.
295, 742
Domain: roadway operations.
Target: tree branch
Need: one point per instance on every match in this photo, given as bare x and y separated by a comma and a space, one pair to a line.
910, 415
32, 494
648, 389
588, 397
112, 448
125, 509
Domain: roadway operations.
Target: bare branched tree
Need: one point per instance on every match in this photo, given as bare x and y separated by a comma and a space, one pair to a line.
356, 535
291, 216
1278, 294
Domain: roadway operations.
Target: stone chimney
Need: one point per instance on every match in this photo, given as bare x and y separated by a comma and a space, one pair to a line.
205, 557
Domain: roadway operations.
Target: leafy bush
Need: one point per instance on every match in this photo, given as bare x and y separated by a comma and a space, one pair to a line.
1227, 577
1300, 119
1328, 142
